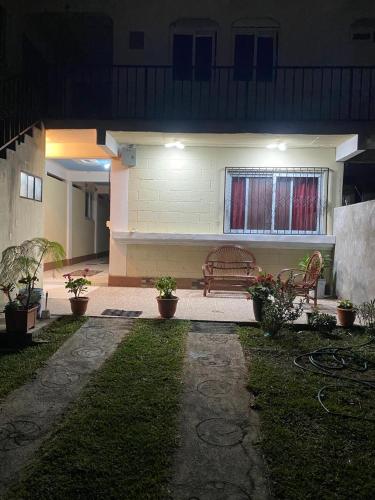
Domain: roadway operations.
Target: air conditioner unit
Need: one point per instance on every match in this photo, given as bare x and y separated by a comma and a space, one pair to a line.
129, 155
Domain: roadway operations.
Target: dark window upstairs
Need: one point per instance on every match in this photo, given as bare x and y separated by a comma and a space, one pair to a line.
265, 58
243, 57
203, 58
182, 57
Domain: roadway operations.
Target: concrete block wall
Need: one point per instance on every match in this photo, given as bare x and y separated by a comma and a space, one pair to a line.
186, 261
354, 264
173, 191
183, 191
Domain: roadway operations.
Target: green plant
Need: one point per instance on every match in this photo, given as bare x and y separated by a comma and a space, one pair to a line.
262, 288
166, 285
77, 286
345, 304
322, 322
327, 261
20, 264
281, 310
366, 314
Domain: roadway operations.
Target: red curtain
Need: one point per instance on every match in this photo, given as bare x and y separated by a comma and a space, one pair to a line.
237, 212
305, 204
260, 203
282, 203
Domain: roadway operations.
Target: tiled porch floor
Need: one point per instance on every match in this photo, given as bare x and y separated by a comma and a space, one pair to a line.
218, 306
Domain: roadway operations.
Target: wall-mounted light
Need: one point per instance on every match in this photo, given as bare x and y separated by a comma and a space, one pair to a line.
281, 146
107, 165
174, 144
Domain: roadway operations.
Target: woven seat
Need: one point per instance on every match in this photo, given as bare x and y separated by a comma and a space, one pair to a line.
229, 265
305, 281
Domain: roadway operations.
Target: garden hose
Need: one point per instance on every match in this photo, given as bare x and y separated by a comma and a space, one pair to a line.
348, 367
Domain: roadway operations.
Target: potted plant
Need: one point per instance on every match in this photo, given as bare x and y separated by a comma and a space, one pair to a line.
260, 293
167, 302
346, 313
20, 265
78, 304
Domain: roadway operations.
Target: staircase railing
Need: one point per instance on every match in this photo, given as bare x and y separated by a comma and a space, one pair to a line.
21, 107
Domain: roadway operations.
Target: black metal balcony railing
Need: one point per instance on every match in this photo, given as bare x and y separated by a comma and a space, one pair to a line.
328, 93
223, 93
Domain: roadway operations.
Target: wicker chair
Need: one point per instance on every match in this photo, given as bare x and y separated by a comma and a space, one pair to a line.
229, 265
305, 281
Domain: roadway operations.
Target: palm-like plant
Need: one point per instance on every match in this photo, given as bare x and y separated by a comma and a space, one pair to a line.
20, 264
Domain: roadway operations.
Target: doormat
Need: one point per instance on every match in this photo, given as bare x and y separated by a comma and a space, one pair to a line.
213, 327
122, 313
81, 272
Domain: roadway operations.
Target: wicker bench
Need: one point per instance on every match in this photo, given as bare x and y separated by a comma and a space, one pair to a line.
229, 265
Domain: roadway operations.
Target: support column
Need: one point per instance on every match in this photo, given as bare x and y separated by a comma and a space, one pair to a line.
95, 219
69, 220
119, 212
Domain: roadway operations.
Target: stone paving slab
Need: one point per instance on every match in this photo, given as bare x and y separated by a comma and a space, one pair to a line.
28, 414
219, 457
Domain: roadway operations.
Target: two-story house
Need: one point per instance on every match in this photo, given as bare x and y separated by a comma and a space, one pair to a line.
222, 121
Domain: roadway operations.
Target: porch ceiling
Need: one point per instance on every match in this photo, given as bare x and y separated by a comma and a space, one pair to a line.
243, 140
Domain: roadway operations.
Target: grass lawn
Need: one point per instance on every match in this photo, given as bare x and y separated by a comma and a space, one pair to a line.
117, 441
18, 367
310, 454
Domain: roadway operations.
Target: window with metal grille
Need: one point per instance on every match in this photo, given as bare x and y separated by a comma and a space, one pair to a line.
275, 201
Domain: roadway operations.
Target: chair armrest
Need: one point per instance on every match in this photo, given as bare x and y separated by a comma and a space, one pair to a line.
206, 270
292, 272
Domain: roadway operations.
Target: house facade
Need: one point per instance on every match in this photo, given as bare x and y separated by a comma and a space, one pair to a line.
222, 123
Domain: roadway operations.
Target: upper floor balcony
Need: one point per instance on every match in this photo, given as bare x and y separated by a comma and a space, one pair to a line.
240, 96
215, 93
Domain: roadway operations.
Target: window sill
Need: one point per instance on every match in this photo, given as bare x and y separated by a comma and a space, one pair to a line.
255, 240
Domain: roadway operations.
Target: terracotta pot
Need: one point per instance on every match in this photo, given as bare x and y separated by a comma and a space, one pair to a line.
258, 309
78, 305
167, 307
346, 317
20, 320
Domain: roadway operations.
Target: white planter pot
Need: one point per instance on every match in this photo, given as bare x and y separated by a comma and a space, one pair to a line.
321, 288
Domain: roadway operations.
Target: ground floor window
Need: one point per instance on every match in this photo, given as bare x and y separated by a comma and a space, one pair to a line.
288, 201
30, 187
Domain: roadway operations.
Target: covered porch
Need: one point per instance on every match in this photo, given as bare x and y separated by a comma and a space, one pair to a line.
225, 306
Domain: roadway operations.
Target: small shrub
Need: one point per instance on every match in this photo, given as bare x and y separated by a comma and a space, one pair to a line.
345, 304
366, 314
166, 285
281, 310
323, 322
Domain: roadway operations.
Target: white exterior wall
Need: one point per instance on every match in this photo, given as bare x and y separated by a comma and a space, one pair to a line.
315, 34
172, 191
20, 218
55, 214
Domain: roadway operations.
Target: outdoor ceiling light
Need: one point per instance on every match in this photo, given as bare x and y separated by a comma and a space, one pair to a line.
281, 146
174, 144
89, 161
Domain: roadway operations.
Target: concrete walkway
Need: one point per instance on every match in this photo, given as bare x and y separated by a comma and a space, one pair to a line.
29, 413
219, 456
